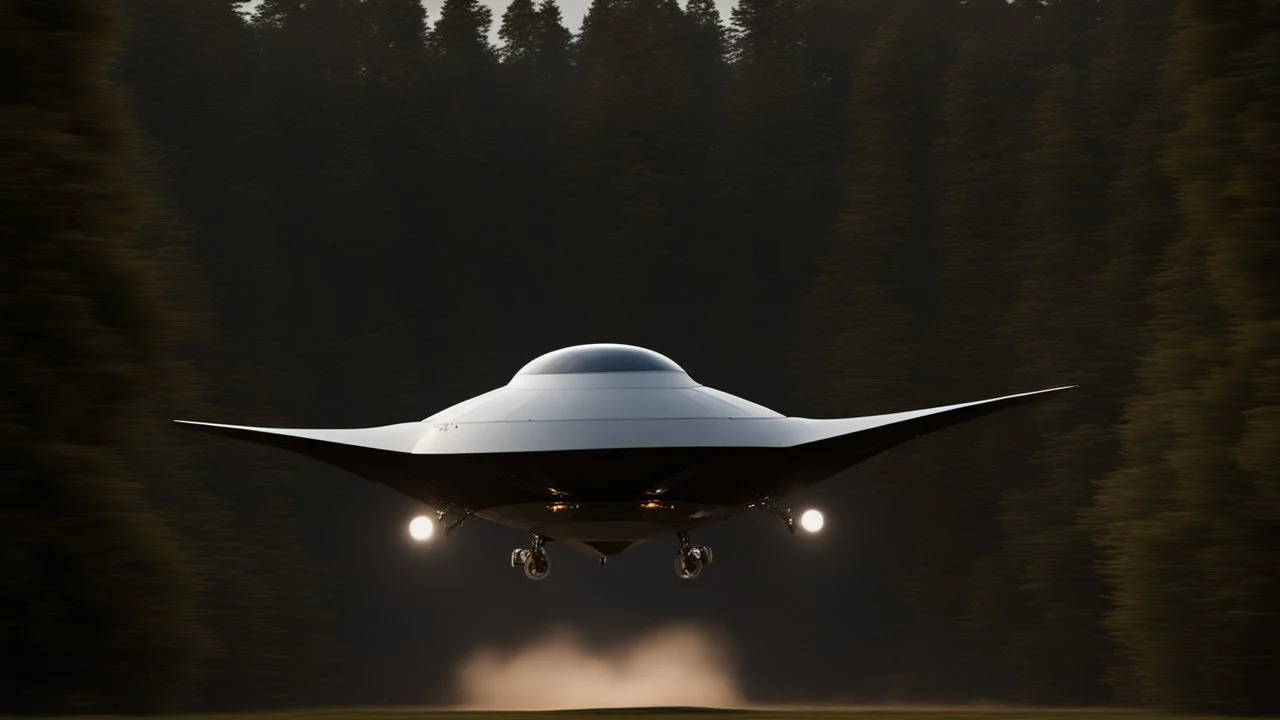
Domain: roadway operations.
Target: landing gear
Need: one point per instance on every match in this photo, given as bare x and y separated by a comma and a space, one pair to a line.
537, 565
691, 558
784, 515
450, 528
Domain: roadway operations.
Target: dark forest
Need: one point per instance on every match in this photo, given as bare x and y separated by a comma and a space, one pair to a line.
337, 213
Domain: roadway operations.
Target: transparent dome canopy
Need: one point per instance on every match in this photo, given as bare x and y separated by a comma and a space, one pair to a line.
600, 358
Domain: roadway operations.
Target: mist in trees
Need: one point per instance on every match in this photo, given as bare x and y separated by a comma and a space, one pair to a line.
878, 204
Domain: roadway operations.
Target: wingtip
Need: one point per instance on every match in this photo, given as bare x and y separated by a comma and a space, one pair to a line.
1059, 388
200, 424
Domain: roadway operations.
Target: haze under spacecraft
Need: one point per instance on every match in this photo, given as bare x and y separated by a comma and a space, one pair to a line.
604, 446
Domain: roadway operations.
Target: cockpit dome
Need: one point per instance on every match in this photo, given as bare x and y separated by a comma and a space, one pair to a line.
600, 358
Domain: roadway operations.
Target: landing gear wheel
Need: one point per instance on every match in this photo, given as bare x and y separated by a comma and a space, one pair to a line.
534, 560
687, 566
691, 558
536, 565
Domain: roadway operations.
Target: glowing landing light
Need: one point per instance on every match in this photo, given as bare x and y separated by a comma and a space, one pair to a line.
811, 521
421, 528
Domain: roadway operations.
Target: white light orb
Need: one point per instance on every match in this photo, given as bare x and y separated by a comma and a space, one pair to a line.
421, 528
811, 521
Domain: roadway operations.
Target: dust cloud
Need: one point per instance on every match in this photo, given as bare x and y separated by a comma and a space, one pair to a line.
678, 665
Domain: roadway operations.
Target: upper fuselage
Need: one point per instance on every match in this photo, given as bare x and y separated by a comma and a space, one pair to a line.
597, 397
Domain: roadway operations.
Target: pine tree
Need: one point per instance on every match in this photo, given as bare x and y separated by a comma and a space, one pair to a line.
980, 136
98, 595
634, 133
877, 271
520, 32
1132, 119
466, 133
1079, 141
1065, 32
1192, 516
707, 50
704, 53
775, 159
706, 17
1061, 653
874, 306
526, 177
319, 114
461, 33
555, 41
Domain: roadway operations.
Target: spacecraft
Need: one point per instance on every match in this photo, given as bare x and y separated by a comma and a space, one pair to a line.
603, 446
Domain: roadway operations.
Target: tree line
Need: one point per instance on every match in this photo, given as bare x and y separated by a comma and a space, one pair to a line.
887, 201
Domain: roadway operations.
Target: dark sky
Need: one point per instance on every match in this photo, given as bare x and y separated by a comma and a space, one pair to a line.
791, 610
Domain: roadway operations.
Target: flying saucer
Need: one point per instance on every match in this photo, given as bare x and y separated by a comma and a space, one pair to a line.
604, 446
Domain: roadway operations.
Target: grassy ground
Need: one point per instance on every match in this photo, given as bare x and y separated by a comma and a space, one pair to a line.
885, 713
